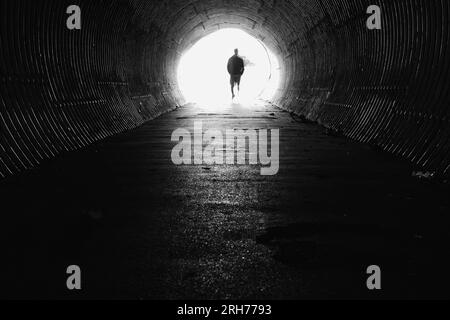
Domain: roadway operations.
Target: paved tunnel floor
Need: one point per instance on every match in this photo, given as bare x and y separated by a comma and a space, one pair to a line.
142, 228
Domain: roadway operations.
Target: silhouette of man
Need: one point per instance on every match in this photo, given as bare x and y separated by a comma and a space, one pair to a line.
236, 70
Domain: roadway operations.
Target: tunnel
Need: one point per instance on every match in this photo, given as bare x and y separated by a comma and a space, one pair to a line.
65, 90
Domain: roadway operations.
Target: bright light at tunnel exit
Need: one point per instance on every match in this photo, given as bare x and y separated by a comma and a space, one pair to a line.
202, 71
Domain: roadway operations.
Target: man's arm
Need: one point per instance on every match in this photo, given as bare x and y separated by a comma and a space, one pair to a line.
229, 66
242, 67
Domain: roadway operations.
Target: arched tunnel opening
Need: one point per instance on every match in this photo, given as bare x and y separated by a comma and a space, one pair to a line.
90, 100
200, 72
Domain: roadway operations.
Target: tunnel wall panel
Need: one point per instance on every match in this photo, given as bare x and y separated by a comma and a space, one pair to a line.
63, 90
385, 87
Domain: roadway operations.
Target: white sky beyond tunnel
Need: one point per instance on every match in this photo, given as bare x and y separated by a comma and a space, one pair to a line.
203, 76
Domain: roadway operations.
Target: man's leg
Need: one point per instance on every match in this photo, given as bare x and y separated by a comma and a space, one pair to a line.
232, 87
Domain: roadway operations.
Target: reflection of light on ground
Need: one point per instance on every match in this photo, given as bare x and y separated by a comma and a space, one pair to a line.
203, 76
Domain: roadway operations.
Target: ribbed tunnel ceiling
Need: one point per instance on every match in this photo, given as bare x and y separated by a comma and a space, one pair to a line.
62, 89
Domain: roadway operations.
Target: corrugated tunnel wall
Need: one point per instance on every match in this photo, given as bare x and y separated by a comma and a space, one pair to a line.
64, 89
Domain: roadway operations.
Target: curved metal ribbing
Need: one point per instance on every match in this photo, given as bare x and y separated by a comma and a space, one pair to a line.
62, 90
387, 87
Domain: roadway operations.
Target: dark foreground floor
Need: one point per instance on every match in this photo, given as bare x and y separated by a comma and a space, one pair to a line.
141, 227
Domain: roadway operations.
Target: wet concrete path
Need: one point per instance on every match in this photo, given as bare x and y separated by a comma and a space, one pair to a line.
143, 228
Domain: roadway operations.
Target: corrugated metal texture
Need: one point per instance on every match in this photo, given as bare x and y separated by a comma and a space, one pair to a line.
62, 90
386, 87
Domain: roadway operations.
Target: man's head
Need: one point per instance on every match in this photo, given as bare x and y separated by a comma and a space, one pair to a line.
236, 51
